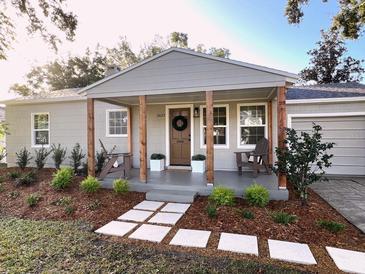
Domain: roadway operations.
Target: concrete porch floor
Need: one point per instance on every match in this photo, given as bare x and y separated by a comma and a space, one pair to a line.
185, 180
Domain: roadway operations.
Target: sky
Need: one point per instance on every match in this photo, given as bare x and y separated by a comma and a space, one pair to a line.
254, 31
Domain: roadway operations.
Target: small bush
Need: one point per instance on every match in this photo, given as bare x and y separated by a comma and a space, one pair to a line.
94, 205
62, 178
33, 200
212, 210
69, 210
248, 214
257, 195
157, 156
1, 187
222, 196
198, 157
2, 179
332, 226
76, 157
90, 184
120, 186
40, 157
100, 160
64, 201
23, 158
58, 155
283, 218
14, 175
26, 179
14, 194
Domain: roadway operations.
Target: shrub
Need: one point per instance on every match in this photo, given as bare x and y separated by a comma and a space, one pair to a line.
41, 156
62, 178
100, 160
2, 179
157, 156
23, 158
332, 226
58, 155
212, 210
198, 157
1, 187
283, 218
76, 157
14, 194
222, 196
13, 175
90, 184
120, 186
94, 205
257, 195
69, 210
26, 179
64, 201
2, 153
33, 199
248, 214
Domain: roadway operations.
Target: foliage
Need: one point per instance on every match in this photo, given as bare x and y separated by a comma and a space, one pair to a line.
94, 205
66, 203
2, 153
222, 196
198, 157
33, 200
58, 155
69, 210
157, 156
212, 210
257, 195
284, 218
13, 175
329, 63
120, 186
26, 179
248, 214
14, 194
3, 132
303, 159
76, 157
350, 19
90, 184
38, 16
62, 178
100, 160
331, 226
41, 156
23, 158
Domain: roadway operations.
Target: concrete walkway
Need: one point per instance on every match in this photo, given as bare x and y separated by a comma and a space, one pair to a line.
347, 196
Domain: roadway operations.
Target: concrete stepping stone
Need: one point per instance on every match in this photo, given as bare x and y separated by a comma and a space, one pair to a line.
175, 207
166, 218
191, 238
291, 252
238, 243
152, 233
115, 228
347, 260
135, 215
149, 205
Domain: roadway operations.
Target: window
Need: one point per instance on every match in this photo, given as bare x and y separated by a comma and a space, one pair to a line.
252, 124
116, 123
220, 121
40, 129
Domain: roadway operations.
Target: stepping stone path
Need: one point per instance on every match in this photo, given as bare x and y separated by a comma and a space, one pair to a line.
191, 238
116, 228
149, 205
348, 260
135, 215
152, 233
166, 218
175, 207
238, 243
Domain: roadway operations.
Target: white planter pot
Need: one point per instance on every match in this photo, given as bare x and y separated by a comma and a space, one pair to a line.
198, 166
157, 165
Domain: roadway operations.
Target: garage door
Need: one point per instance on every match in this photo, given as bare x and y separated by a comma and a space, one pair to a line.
348, 134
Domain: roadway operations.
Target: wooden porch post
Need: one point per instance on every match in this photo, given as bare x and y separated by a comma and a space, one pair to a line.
281, 129
209, 137
90, 137
142, 139
269, 106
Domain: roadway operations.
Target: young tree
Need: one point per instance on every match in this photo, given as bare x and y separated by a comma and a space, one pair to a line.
329, 63
37, 15
303, 159
350, 19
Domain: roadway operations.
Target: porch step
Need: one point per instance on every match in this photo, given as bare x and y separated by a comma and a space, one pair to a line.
177, 196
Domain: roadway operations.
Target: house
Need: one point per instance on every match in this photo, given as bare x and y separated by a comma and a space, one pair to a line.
226, 106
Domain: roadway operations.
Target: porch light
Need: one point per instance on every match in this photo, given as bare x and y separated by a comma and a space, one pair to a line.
196, 112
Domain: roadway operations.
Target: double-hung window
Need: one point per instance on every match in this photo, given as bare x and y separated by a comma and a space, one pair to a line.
116, 123
40, 129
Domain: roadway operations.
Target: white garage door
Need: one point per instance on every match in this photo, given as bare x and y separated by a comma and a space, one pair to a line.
348, 134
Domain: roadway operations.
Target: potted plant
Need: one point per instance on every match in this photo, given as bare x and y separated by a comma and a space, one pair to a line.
198, 163
157, 162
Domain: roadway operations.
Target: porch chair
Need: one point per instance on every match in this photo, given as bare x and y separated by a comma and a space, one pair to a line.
110, 166
260, 158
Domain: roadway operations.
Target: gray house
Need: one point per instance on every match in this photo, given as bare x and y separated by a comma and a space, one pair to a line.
227, 106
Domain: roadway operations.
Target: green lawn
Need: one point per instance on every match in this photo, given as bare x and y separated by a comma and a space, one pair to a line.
28, 246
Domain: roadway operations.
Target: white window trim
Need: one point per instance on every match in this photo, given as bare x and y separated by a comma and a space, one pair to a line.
107, 134
202, 145
239, 123
32, 131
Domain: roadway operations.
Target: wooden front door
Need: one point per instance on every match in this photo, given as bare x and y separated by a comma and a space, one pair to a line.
180, 136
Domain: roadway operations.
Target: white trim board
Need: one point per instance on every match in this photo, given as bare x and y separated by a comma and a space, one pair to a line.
107, 111
32, 131
325, 100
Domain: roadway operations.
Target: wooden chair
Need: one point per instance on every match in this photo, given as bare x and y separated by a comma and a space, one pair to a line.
260, 158
122, 170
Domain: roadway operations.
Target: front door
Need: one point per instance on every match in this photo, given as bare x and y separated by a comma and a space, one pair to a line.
180, 136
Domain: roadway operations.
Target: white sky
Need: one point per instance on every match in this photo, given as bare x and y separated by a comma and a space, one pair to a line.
104, 21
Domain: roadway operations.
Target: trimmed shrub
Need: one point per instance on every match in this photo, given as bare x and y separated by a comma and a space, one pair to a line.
120, 186
222, 196
211, 210
26, 179
23, 158
41, 156
284, 218
331, 226
33, 200
90, 184
76, 157
58, 155
157, 156
62, 178
198, 157
248, 214
257, 195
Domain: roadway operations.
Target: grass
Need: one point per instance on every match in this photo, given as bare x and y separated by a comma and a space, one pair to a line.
331, 226
283, 218
28, 246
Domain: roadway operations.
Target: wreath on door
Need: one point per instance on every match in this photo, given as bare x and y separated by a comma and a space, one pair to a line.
179, 123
